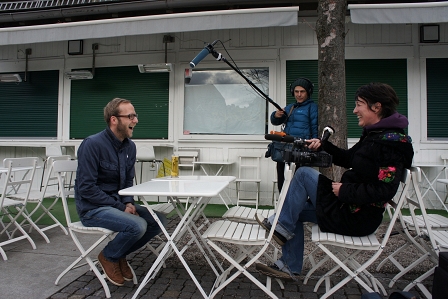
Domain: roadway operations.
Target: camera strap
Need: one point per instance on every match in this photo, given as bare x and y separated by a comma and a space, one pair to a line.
290, 112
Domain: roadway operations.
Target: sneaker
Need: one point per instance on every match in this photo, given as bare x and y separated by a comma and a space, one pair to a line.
111, 270
125, 269
274, 271
267, 226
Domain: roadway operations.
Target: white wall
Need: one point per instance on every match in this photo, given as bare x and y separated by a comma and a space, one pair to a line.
267, 46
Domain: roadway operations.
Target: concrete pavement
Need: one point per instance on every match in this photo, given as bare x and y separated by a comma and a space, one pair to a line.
30, 274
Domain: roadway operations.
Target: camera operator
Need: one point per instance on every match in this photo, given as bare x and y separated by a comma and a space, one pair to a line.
355, 205
301, 120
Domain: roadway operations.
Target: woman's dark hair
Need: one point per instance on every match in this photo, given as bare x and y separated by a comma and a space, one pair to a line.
379, 93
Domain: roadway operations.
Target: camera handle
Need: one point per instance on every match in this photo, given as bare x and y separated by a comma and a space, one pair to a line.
219, 57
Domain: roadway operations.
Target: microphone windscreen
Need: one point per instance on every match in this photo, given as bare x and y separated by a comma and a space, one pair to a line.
199, 57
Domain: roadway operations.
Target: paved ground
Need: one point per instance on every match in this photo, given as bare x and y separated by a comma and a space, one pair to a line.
30, 274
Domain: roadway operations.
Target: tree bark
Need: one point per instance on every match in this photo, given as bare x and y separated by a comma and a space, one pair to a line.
330, 31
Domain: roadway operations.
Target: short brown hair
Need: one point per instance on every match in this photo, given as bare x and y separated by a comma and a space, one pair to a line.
112, 109
381, 93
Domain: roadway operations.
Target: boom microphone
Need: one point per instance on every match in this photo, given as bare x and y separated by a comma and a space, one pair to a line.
276, 137
207, 50
328, 131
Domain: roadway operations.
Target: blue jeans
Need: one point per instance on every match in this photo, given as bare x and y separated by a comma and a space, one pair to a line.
299, 206
133, 231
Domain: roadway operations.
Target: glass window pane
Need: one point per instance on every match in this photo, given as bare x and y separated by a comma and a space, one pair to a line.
222, 102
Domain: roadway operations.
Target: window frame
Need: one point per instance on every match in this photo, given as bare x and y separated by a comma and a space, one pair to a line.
424, 103
270, 65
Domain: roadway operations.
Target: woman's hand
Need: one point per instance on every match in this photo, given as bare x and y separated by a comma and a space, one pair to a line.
314, 144
336, 187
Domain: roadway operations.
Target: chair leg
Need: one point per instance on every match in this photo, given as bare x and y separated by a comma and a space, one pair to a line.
89, 261
237, 186
274, 183
418, 282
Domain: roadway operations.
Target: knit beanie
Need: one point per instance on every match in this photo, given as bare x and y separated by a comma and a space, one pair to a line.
303, 82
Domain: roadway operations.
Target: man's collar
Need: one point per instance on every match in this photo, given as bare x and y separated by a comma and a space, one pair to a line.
115, 141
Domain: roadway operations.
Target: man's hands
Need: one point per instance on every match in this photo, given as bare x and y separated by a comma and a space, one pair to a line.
130, 208
279, 113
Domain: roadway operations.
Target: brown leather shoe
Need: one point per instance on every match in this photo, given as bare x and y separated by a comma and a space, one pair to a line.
125, 269
111, 270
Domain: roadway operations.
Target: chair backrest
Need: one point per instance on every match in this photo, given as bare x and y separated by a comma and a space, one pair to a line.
397, 203
53, 150
444, 158
289, 173
145, 153
186, 159
63, 170
13, 182
249, 166
419, 204
50, 176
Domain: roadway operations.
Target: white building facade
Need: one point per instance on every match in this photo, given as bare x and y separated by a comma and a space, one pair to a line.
215, 112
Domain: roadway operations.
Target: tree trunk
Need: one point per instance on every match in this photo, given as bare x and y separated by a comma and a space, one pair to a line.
330, 30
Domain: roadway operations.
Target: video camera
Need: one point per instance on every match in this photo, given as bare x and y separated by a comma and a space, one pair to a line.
299, 153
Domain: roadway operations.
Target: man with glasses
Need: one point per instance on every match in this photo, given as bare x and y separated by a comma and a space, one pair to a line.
106, 165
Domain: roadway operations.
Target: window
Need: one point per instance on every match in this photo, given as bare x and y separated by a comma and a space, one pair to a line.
437, 89
148, 93
29, 109
222, 102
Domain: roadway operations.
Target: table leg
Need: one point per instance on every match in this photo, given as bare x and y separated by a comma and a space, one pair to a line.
185, 225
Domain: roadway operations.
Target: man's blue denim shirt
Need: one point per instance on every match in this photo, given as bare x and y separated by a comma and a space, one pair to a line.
105, 166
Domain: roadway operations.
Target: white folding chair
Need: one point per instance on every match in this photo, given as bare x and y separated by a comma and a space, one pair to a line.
246, 214
445, 179
145, 154
48, 190
335, 245
251, 240
187, 159
248, 173
412, 227
64, 169
11, 210
426, 228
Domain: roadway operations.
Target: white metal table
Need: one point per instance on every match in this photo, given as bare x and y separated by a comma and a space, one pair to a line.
201, 191
213, 178
221, 166
429, 182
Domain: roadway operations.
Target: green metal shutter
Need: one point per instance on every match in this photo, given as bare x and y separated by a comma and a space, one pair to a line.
436, 91
358, 73
30, 109
299, 69
148, 93
363, 71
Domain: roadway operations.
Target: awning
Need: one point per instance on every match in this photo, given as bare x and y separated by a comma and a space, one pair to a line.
405, 13
181, 22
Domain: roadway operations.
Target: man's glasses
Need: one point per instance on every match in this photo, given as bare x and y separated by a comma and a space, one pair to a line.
130, 116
